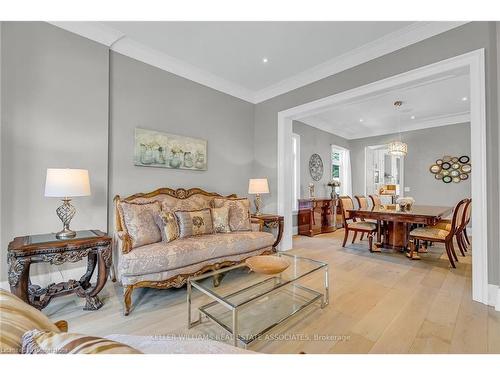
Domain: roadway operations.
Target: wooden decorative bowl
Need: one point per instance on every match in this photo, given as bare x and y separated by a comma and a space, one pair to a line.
267, 264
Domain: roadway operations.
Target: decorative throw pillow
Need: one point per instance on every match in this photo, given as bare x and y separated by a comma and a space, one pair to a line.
167, 222
194, 223
138, 221
220, 218
40, 342
239, 212
17, 317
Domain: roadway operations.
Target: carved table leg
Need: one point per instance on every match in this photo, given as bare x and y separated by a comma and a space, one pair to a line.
91, 263
19, 280
103, 265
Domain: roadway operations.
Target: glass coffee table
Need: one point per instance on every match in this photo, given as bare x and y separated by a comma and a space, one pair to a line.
247, 304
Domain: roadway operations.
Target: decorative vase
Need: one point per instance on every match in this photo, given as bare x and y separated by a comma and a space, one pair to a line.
146, 155
160, 156
200, 161
188, 160
176, 161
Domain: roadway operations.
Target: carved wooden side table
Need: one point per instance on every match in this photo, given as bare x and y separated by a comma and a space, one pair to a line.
270, 221
24, 251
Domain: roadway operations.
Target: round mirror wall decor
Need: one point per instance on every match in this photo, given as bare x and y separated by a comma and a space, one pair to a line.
316, 167
464, 159
435, 168
451, 169
446, 179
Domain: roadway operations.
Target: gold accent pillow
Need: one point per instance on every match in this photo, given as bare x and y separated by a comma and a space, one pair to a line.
138, 221
239, 212
17, 317
220, 218
40, 342
194, 223
167, 222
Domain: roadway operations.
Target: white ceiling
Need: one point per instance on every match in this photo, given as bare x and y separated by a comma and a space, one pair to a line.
228, 56
435, 101
234, 50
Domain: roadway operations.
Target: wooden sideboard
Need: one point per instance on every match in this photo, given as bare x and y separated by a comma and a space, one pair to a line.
315, 216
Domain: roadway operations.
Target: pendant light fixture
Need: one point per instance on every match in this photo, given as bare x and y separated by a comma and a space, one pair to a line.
398, 147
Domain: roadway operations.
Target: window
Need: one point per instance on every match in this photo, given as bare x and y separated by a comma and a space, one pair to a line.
296, 171
338, 166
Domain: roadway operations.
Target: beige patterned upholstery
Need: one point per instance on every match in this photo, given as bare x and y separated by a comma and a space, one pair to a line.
161, 256
220, 218
169, 228
138, 220
39, 342
16, 318
239, 212
363, 225
194, 223
430, 232
169, 203
347, 204
191, 269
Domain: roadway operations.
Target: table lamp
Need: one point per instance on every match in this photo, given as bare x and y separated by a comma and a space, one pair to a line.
258, 186
65, 184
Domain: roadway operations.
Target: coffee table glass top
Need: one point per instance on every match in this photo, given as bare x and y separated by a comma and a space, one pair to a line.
258, 302
236, 294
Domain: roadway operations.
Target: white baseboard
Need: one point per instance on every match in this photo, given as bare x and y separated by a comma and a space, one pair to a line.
53, 277
494, 296
295, 230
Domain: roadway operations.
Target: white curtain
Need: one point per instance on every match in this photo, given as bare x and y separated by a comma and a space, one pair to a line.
346, 187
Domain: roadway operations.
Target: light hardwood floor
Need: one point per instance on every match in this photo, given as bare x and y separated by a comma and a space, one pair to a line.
379, 303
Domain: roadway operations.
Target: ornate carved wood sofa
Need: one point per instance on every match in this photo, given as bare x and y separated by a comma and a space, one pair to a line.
165, 265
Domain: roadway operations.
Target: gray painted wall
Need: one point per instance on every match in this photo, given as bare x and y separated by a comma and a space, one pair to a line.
469, 37
424, 147
147, 97
54, 114
316, 141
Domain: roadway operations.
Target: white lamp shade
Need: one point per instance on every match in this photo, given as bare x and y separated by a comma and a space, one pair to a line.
258, 186
62, 183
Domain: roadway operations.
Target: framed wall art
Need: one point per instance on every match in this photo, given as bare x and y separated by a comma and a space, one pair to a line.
163, 150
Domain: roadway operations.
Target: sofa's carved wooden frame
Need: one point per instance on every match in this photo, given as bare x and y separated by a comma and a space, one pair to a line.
178, 280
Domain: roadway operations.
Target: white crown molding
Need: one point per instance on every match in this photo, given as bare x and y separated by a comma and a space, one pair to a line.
120, 43
411, 34
129, 47
95, 31
431, 122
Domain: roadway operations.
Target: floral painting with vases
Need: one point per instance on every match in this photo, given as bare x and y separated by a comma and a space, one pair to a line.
164, 150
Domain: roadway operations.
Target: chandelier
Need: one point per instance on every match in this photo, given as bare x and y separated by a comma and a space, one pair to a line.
398, 147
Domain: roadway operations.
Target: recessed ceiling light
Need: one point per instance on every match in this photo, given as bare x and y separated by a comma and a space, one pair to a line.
412, 117
265, 60
464, 99
361, 120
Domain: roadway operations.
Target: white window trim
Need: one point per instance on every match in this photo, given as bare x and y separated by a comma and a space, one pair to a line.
342, 165
296, 174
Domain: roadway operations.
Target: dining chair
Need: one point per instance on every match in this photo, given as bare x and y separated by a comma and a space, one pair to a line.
463, 218
462, 237
436, 233
375, 200
363, 203
351, 225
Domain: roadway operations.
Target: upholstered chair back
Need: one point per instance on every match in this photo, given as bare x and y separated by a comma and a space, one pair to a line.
362, 201
375, 200
346, 204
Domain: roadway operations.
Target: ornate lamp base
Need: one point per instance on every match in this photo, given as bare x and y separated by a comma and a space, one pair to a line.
257, 202
65, 212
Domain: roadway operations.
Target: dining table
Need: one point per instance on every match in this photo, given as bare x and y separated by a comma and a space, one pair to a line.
394, 223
